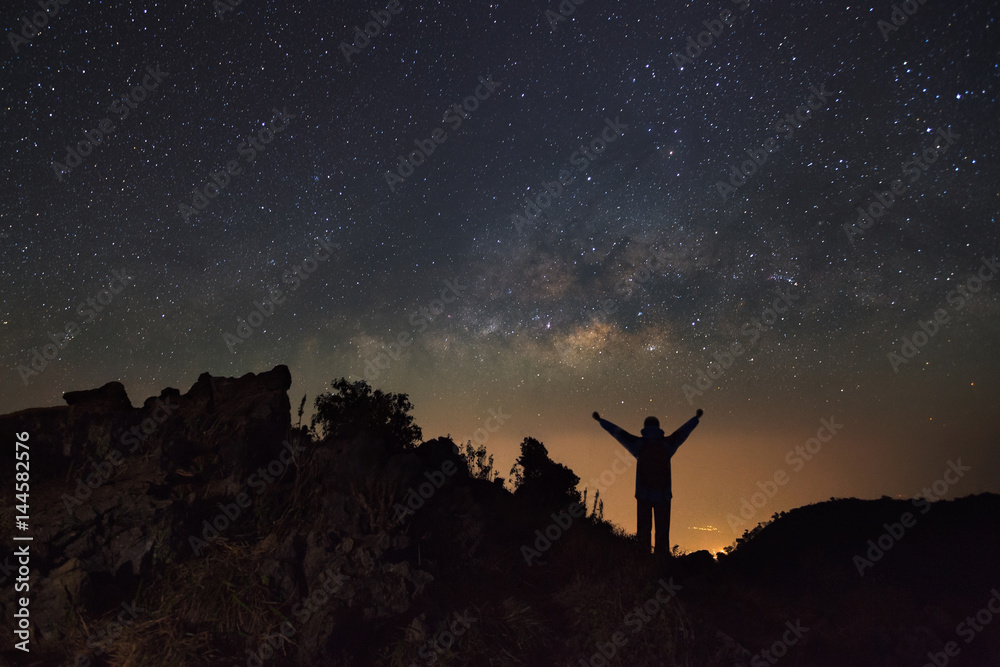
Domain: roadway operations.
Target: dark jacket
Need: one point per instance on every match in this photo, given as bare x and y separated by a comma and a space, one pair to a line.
653, 452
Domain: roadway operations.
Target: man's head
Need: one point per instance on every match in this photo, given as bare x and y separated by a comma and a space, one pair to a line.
651, 422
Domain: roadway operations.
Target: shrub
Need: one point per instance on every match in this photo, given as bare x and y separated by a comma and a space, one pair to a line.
353, 408
540, 479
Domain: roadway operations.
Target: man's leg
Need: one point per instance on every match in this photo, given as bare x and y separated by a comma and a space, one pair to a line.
644, 523
662, 517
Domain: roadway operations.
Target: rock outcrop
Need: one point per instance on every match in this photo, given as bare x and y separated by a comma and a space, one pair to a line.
114, 489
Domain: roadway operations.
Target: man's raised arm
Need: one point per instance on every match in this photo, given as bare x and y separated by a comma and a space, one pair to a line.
628, 441
681, 434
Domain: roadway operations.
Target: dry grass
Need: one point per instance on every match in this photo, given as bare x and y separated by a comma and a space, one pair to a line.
203, 612
376, 497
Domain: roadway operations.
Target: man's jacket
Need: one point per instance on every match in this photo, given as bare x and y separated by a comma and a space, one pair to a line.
653, 452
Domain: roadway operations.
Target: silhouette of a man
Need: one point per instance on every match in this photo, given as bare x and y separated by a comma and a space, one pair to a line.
652, 475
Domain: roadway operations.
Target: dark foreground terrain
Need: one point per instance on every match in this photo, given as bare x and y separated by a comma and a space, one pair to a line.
205, 529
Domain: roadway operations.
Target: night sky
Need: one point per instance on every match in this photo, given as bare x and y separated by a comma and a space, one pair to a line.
589, 230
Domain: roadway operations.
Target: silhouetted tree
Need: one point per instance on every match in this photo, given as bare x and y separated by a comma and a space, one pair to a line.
480, 466
538, 478
353, 407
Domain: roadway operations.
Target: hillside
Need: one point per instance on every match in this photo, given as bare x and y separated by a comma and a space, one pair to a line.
203, 528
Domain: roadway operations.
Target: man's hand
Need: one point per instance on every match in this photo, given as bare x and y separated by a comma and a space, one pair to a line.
597, 416
697, 414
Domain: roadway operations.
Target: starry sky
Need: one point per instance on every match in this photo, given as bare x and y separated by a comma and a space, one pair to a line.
520, 213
